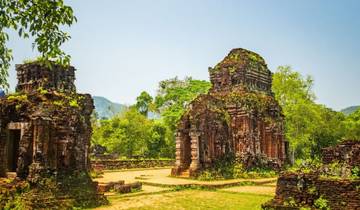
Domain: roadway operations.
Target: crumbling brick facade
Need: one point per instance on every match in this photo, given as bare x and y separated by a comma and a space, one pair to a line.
296, 190
32, 76
239, 115
347, 151
45, 126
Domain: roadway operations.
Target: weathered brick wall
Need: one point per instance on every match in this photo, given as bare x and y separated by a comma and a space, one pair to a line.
295, 190
127, 164
347, 152
32, 76
305, 189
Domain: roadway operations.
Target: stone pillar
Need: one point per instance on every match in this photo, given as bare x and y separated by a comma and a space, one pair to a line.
179, 151
195, 161
276, 147
282, 148
268, 142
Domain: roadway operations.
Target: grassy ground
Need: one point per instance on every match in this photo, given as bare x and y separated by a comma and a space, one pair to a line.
189, 199
259, 190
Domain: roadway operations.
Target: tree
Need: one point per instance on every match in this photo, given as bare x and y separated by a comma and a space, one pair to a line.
132, 134
329, 129
308, 126
125, 134
144, 103
174, 95
39, 19
156, 144
352, 126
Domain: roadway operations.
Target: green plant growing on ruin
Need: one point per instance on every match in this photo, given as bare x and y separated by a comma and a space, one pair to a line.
305, 166
228, 167
18, 97
290, 201
18, 107
312, 190
58, 103
232, 70
32, 60
254, 57
42, 91
15, 204
321, 203
355, 172
74, 103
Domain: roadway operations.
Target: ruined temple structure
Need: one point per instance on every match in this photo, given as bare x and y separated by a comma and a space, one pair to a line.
336, 181
239, 115
45, 126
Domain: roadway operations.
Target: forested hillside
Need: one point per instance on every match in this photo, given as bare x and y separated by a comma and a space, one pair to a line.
350, 110
106, 109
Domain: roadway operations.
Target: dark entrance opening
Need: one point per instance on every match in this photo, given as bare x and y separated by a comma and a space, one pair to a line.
13, 149
187, 152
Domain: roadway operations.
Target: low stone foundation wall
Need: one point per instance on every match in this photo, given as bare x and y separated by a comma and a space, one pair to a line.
128, 164
294, 190
347, 152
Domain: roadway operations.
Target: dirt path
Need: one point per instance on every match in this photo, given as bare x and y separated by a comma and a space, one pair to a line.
160, 177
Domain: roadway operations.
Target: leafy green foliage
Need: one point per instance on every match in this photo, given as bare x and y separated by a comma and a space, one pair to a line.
355, 172
42, 21
309, 126
321, 203
144, 103
174, 95
352, 125
227, 167
329, 129
132, 134
295, 96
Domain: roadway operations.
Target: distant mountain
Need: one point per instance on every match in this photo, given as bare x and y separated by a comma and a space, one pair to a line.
350, 110
106, 108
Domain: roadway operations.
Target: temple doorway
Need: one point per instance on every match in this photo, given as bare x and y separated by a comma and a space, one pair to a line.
13, 149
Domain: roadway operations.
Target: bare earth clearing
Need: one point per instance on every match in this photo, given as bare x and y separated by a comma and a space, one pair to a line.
163, 192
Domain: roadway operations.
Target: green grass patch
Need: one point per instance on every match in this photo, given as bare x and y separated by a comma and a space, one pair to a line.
191, 199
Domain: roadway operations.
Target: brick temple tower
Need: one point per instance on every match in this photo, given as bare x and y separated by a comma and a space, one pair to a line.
45, 126
239, 115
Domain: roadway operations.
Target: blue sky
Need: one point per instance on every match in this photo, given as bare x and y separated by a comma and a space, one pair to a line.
121, 48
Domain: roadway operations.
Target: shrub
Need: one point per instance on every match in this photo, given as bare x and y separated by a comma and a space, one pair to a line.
228, 167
